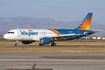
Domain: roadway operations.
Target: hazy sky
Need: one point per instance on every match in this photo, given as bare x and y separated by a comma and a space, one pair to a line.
59, 10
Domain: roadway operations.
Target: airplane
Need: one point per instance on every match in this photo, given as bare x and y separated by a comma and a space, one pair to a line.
47, 36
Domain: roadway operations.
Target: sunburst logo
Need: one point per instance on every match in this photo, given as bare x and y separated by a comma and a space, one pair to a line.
85, 25
30, 31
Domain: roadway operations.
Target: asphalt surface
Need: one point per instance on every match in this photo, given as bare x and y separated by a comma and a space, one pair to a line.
52, 60
36, 55
55, 64
55, 61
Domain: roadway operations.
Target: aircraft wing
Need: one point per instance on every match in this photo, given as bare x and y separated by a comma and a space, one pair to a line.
64, 35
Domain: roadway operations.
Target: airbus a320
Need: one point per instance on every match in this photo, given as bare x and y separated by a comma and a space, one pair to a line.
47, 36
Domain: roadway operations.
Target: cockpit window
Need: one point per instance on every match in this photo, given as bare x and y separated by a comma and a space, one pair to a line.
10, 32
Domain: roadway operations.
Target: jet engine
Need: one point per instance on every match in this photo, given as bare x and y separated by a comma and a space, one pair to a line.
45, 40
85, 33
27, 42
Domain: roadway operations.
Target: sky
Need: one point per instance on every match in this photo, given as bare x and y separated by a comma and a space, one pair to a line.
59, 10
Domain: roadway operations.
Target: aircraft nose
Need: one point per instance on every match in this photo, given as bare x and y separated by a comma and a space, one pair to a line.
5, 36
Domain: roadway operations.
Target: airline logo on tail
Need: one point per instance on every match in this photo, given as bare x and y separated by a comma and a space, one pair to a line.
85, 24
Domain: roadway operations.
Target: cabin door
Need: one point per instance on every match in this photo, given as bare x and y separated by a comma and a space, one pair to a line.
19, 32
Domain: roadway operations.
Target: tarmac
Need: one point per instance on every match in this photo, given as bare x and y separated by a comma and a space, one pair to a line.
49, 46
55, 61
52, 60
55, 64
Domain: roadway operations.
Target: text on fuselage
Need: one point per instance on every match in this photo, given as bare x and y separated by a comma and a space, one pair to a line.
29, 33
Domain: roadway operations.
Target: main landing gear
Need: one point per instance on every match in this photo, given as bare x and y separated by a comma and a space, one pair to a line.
41, 44
53, 44
16, 43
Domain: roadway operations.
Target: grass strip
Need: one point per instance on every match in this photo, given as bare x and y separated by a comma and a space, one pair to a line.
59, 43
80, 49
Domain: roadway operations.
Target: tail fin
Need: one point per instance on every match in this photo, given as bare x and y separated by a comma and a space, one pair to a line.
85, 24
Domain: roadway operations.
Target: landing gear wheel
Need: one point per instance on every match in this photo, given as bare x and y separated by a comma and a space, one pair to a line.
53, 44
16, 44
41, 44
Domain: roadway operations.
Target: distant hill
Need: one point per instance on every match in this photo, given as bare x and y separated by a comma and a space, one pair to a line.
27, 22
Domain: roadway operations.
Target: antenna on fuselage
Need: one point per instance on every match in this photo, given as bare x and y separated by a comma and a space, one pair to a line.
17, 30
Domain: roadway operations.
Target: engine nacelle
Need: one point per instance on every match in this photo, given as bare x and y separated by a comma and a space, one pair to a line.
27, 42
85, 33
45, 40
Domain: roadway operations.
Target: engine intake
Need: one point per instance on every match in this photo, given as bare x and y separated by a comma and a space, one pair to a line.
27, 42
45, 40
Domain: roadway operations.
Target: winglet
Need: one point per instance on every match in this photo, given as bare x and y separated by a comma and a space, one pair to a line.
85, 24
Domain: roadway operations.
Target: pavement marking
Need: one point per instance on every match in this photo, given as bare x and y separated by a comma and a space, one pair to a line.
2, 60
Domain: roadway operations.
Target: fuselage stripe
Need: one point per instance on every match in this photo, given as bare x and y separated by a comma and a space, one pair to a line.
62, 38
55, 31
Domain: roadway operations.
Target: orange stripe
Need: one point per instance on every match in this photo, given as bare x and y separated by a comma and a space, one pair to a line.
63, 38
54, 31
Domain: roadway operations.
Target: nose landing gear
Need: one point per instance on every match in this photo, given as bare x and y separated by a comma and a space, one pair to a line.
16, 43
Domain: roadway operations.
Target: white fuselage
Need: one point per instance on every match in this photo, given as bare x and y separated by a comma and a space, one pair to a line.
28, 34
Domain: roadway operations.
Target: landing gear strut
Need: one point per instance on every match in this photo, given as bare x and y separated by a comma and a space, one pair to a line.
53, 44
41, 44
16, 43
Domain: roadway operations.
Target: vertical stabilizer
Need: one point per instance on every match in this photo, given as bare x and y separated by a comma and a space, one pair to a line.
85, 24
